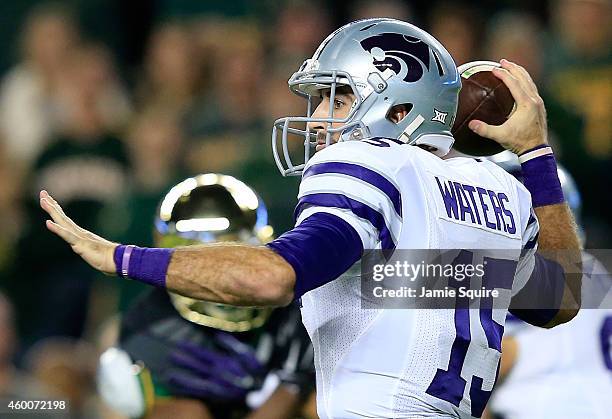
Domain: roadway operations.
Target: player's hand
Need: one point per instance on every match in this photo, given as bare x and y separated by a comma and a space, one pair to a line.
526, 128
95, 250
223, 373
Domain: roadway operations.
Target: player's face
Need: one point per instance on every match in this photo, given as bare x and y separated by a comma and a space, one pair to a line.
343, 101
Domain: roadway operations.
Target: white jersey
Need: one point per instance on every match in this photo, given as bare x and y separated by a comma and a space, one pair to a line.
393, 363
564, 372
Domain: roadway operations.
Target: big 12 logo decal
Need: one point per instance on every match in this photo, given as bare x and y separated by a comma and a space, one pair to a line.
403, 54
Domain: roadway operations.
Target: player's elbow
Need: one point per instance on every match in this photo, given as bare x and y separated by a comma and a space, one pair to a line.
571, 301
551, 296
276, 287
567, 314
279, 296
564, 315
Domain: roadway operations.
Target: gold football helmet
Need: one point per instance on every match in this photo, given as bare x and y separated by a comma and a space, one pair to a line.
212, 208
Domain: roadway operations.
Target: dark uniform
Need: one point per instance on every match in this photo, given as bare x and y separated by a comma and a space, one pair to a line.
152, 328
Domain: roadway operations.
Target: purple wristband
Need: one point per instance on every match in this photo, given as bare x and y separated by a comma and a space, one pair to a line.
148, 265
118, 257
541, 179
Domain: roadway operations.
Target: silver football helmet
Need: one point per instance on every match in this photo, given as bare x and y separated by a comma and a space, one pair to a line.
384, 62
213, 208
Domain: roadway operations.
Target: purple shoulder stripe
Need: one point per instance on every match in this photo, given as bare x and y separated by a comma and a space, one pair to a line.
358, 208
364, 174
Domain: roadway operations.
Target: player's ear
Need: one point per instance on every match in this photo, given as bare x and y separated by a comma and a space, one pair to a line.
398, 112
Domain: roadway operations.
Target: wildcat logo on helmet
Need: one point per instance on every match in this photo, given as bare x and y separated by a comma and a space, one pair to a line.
404, 55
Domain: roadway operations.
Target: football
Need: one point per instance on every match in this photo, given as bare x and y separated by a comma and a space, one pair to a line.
484, 97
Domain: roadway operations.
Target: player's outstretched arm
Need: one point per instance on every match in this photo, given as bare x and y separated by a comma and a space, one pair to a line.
318, 250
236, 274
227, 273
525, 134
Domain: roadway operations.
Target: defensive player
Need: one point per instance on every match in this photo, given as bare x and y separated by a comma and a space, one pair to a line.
389, 96
565, 372
203, 359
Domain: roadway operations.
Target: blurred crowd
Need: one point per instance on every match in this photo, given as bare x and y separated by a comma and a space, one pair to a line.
108, 127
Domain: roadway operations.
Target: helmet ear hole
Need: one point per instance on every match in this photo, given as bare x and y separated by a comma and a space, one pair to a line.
398, 112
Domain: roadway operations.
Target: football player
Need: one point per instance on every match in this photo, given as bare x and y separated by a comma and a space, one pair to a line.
382, 96
207, 360
565, 372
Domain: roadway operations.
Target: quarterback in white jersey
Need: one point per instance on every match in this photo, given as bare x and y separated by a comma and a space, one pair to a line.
388, 97
395, 363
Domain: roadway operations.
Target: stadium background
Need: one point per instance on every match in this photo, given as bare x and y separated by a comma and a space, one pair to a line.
107, 103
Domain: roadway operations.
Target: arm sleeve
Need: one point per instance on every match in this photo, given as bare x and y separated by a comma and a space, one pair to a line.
539, 282
539, 300
320, 249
